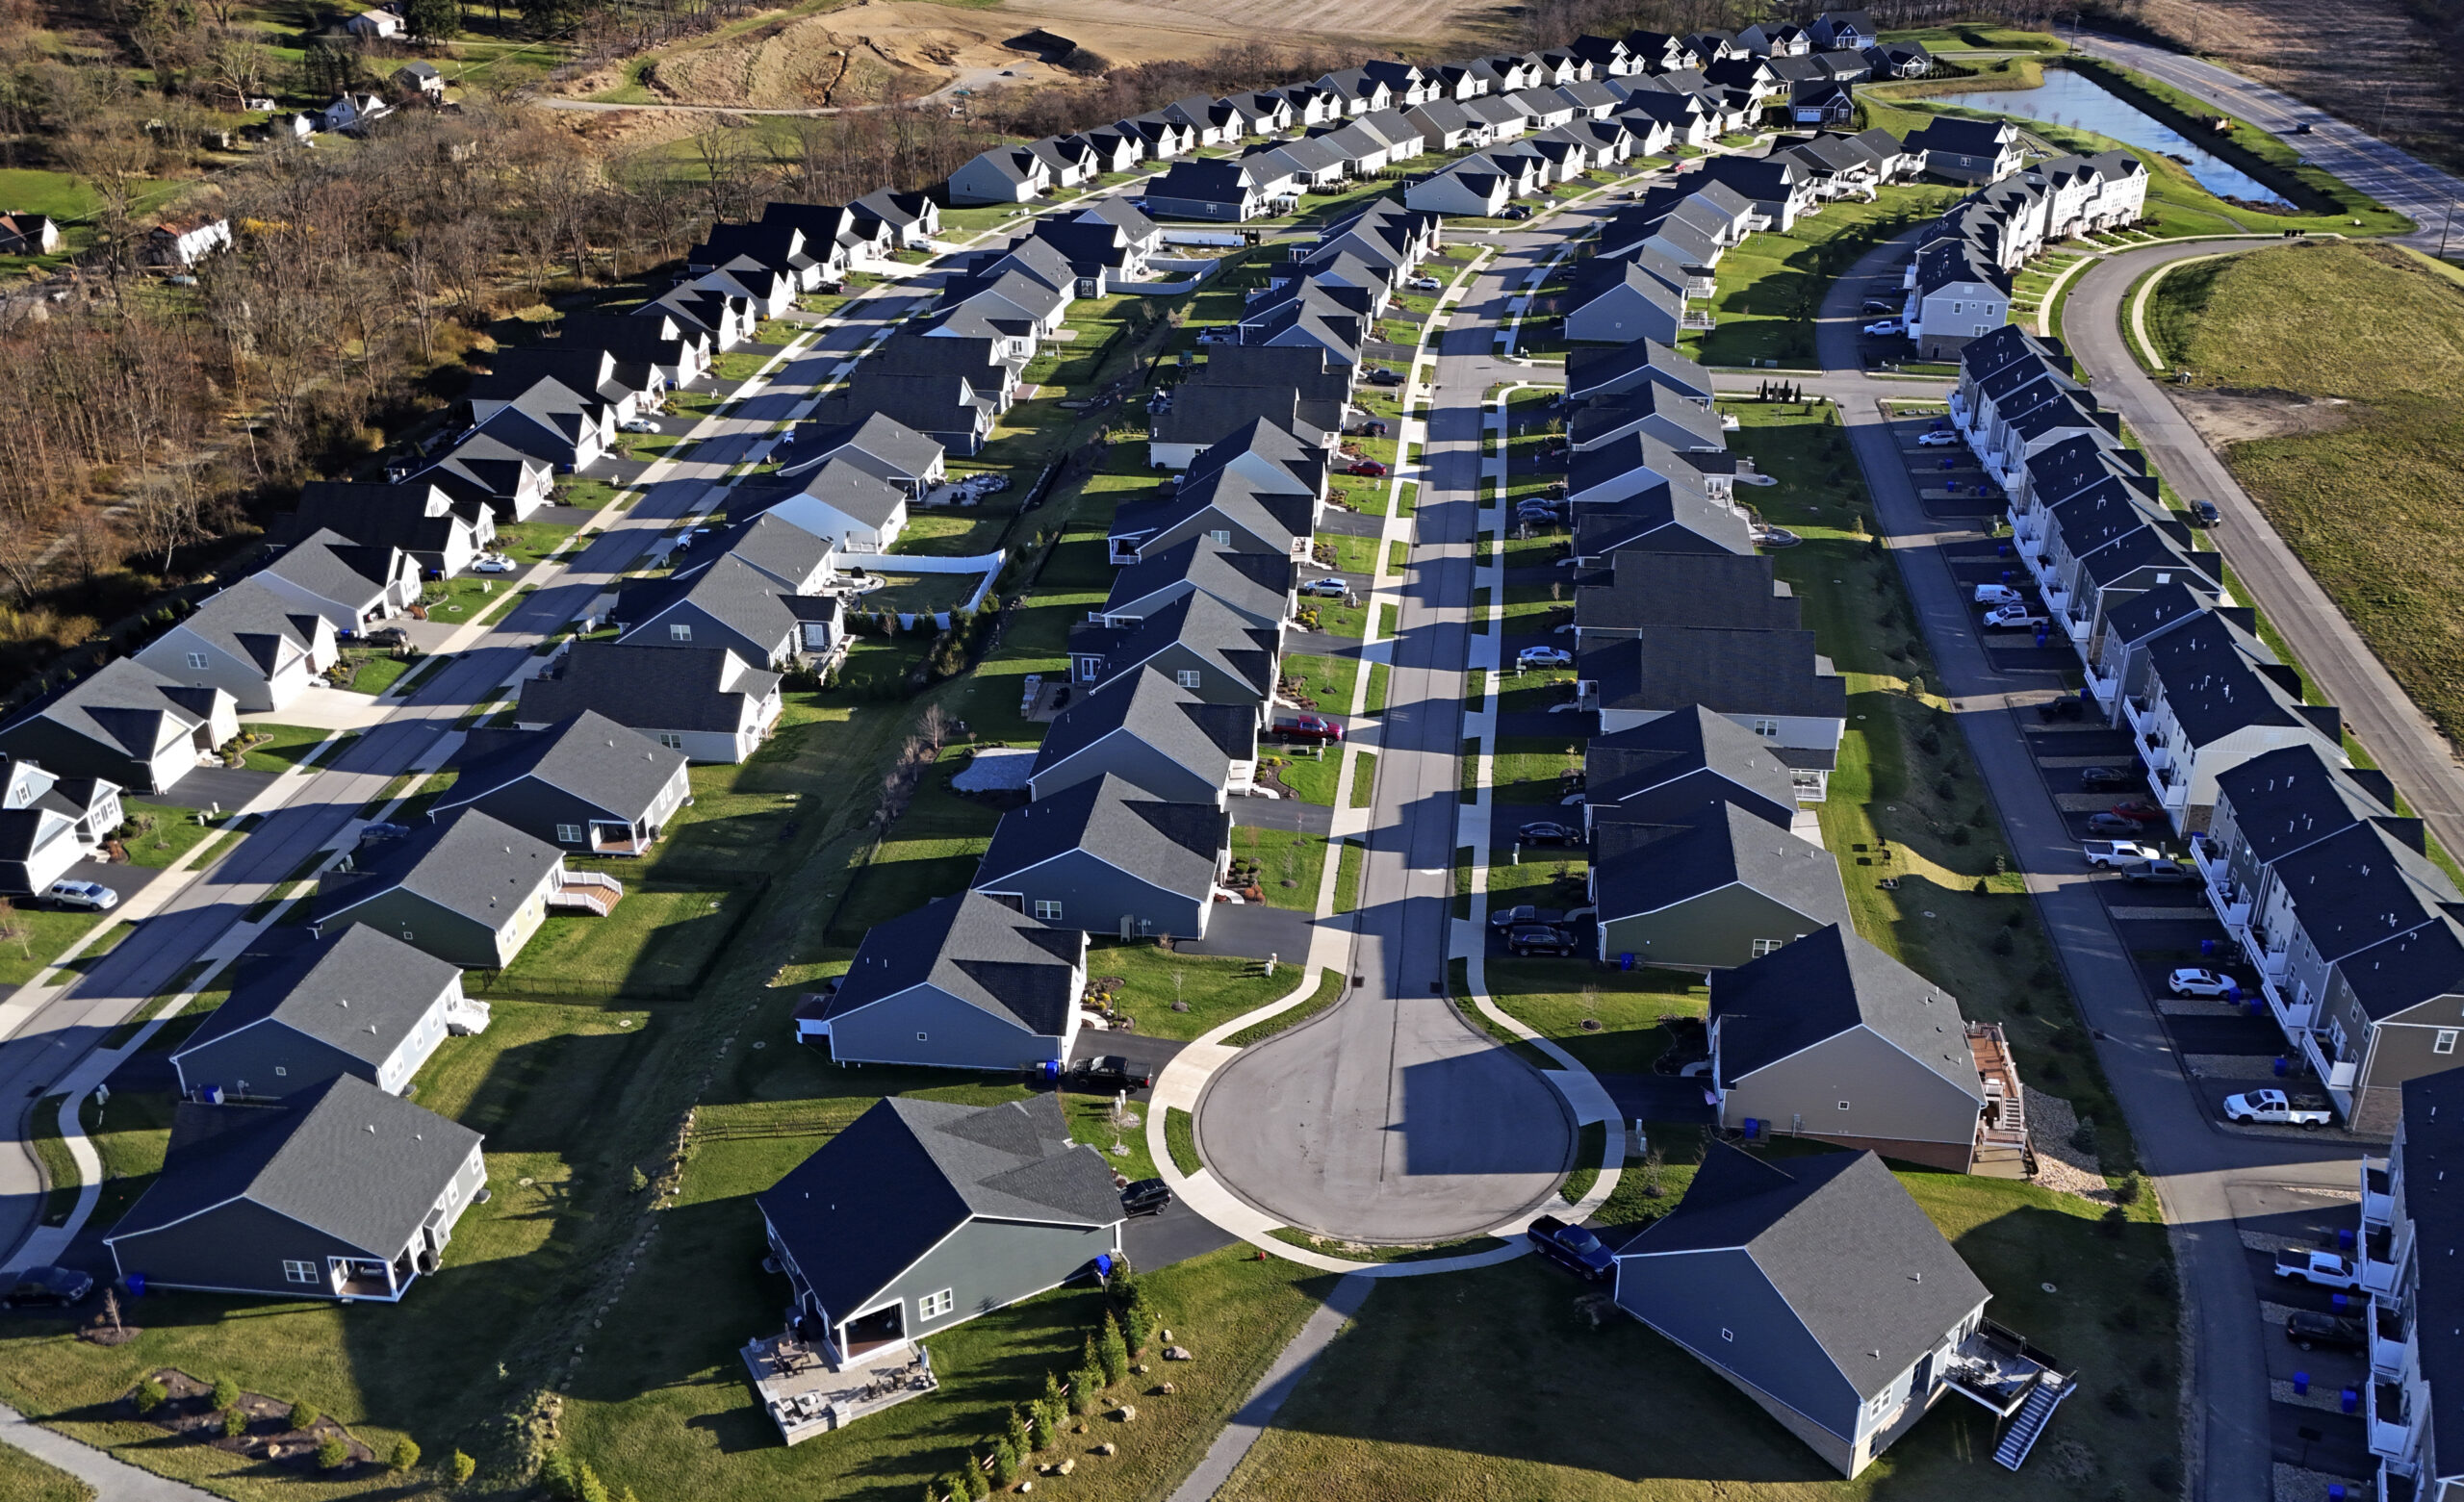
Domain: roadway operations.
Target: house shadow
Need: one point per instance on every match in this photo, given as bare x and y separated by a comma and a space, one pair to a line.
1482, 1114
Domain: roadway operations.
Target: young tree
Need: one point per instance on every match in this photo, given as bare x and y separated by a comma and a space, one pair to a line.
463, 1468
304, 1415
433, 20
1113, 1351
334, 1454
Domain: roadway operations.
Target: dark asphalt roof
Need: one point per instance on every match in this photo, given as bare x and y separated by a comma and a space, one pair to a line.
354, 1163
1208, 627
1176, 847
1863, 1270
2210, 671
1630, 763
651, 688
2398, 973
619, 769
1735, 672
981, 952
2360, 887
255, 625
2433, 1153
362, 992
2292, 796
1739, 592
1647, 868
1149, 706
1825, 984
1258, 585
471, 864
2158, 609
127, 704
1589, 371
875, 1198
787, 552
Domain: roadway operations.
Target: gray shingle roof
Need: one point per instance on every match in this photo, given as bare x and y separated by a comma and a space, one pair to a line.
1864, 1271
1208, 627
348, 1159
1205, 738
976, 950
1825, 984
1739, 592
362, 993
1254, 584
879, 442
1629, 764
1173, 846
2210, 671
1665, 666
1647, 868
785, 553
2294, 797
621, 771
2361, 887
841, 482
127, 704
650, 688
875, 1198
471, 864
251, 622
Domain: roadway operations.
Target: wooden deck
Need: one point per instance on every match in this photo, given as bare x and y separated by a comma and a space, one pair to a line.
805, 1396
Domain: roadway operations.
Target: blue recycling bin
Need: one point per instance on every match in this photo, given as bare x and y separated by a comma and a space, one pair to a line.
1753, 1129
2341, 1301
2007, 572
2344, 1238
1955, 487
2207, 949
1626, 961
2232, 991
2283, 1068
2252, 1006
2350, 1400
2300, 1383
136, 1284
2040, 636
2335, 1491
2003, 550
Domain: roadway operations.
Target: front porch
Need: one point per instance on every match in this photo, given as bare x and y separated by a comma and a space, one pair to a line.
806, 1393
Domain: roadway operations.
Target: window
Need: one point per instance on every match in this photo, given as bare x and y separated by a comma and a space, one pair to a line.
197, 659
933, 1305
923, 1038
1728, 1334
671, 740
1222, 534
283, 1072
406, 937
1766, 729
1047, 911
1762, 947
679, 632
2445, 1043
1186, 677
1843, 1104
298, 1272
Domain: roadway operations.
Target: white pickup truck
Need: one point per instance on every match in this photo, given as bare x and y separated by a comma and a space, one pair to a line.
2276, 1108
2326, 1270
2115, 854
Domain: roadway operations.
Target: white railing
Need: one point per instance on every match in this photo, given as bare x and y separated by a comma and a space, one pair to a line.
2377, 1206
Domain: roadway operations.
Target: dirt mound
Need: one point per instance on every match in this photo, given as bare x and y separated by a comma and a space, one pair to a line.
2242, 413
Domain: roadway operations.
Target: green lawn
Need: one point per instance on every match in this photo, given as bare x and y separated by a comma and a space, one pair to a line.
656, 943
1556, 998
373, 672
1770, 286
25, 1479
1327, 681
1152, 979
1289, 863
279, 747
160, 833
1312, 777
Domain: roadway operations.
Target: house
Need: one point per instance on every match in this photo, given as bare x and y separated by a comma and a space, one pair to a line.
1604, 474
1498, 115
260, 648
922, 1215
352, 111
1818, 1289
352, 586
1829, 1038
344, 1192
912, 220
1217, 189
1851, 30
1957, 296
1631, 305
1140, 234
1592, 373
1660, 512
48, 823
1163, 138
706, 702
2213, 697
1772, 682
586, 784
1107, 856
1474, 188
1680, 765
1641, 590
1821, 101
546, 420
1003, 174
1899, 60
1445, 125
1240, 511
184, 242
1712, 889
363, 1004
963, 982
728, 318
383, 23
838, 498
844, 236
1149, 731
1205, 645
1962, 150
1258, 587
795, 559
437, 533
125, 724
419, 80
876, 444
512, 483
2406, 1220
1779, 188
1652, 411
732, 604
23, 233
470, 890
1775, 39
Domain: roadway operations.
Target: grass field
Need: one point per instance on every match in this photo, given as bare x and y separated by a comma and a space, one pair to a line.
1770, 286
25, 1479
2375, 505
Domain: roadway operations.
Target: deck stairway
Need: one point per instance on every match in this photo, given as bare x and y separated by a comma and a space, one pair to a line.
2033, 1415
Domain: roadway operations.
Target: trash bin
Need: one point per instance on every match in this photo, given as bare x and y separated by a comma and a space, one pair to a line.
1753, 1129
2300, 1383
2283, 1067
2207, 949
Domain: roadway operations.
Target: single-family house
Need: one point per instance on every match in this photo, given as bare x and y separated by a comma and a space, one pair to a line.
586, 784
1107, 856
961, 982
438, 533
350, 585
732, 604
262, 647
1964, 151
363, 1004
184, 242
1772, 682
1205, 645
1158, 736
1217, 189
472, 890
708, 702
1003, 174
912, 220
126, 724
1677, 767
1710, 890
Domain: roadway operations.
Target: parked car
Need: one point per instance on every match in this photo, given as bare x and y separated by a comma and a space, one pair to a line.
637, 425
2276, 1108
2111, 823
1426, 284
2313, 1331
1368, 468
494, 562
55, 1287
1108, 1074
1543, 657
2013, 617
386, 636
2106, 779
1538, 939
1883, 329
1572, 1248
1516, 211
2203, 513
2323, 1269
1380, 376
1315, 730
1330, 588
2069, 707
85, 895
2139, 810
378, 832
2191, 981
1522, 915
1145, 1197
1880, 305
2115, 854
1997, 594
2160, 872
1939, 437
1544, 833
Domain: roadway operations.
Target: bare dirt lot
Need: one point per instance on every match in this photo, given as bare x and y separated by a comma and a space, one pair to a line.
907, 47
2360, 59
2225, 417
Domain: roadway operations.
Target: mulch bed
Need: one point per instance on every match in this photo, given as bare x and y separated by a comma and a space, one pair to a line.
189, 1411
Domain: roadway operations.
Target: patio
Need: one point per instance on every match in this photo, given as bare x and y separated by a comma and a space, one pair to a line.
805, 1395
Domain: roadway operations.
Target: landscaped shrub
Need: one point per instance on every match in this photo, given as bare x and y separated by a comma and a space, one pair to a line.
235, 1422
226, 1392
406, 1454
334, 1454
1113, 1351
304, 1414
148, 1396
1005, 1463
463, 1467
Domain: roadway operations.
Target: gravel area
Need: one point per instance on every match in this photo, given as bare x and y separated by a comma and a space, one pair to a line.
2060, 1166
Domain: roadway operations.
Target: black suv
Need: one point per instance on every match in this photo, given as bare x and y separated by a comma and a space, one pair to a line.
1145, 1197
1109, 1074
2107, 779
1537, 939
2311, 1329
1572, 1248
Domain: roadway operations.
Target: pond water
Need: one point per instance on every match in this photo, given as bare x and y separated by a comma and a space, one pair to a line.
2073, 99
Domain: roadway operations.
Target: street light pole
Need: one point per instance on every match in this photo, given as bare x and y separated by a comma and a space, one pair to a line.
2444, 230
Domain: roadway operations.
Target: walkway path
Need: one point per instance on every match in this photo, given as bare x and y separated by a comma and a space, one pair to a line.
1266, 1400
113, 1481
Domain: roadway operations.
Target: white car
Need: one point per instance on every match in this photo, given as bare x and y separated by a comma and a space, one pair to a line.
2013, 617
637, 425
1996, 595
1426, 284
494, 562
1885, 328
91, 895
2191, 980
1543, 657
1938, 438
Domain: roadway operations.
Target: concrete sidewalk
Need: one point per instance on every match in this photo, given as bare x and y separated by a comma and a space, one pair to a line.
113, 1481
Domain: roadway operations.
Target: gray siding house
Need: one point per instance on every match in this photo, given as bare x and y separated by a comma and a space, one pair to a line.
125, 724
364, 1004
1105, 856
346, 1192
923, 1214
1817, 1288
706, 702
1155, 734
470, 890
1718, 890
963, 982
589, 784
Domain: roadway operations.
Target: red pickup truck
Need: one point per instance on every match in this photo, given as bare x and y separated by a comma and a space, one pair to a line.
1309, 728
